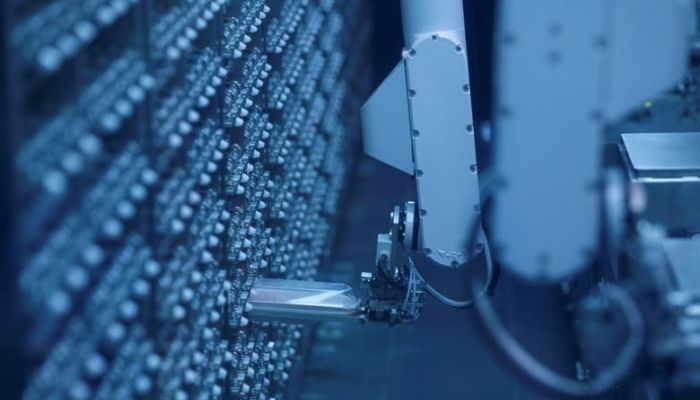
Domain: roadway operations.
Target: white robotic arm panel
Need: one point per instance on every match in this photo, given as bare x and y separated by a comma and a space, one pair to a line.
564, 68
420, 121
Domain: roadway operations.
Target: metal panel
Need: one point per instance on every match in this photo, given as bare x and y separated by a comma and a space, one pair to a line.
423, 18
545, 217
443, 147
658, 155
564, 68
301, 301
668, 166
385, 125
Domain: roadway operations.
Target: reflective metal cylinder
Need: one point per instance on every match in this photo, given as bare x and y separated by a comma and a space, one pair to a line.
424, 18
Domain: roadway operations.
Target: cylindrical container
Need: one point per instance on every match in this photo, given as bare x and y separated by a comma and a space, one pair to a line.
424, 18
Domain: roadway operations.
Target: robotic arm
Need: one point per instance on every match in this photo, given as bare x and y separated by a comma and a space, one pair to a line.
548, 136
564, 70
420, 121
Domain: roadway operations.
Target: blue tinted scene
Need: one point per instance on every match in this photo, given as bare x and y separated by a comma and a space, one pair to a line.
350, 199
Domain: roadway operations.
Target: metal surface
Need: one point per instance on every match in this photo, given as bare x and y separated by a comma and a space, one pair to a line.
668, 166
436, 97
548, 161
443, 148
385, 122
297, 301
385, 247
410, 221
663, 155
548, 149
424, 18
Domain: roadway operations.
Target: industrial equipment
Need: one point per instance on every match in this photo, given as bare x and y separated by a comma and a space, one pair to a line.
548, 168
176, 168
